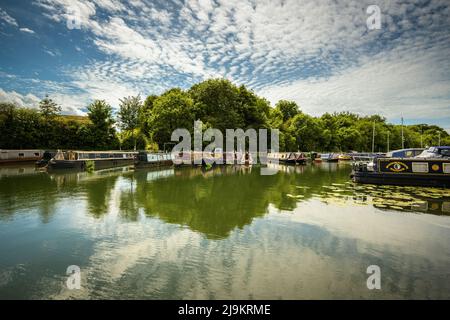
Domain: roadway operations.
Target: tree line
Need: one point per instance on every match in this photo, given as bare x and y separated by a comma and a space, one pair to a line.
148, 124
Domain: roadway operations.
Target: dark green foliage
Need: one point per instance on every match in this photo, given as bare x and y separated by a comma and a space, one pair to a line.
218, 103
23, 128
102, 133
49, 108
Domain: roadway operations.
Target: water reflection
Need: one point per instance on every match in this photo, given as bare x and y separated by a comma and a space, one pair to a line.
214, 201
228, 232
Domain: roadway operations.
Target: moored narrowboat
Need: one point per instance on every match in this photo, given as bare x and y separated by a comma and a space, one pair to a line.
329, 157
287, 157
301, 158
46, 157
81, 160
153, 159
434, 172
344, 157
19, 156
246, 159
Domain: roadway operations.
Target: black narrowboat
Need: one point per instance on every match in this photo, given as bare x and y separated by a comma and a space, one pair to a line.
431, 172
153, 159
81, 160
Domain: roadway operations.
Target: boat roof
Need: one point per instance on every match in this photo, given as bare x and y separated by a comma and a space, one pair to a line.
438, 147
20, 150
407, 149
111, 151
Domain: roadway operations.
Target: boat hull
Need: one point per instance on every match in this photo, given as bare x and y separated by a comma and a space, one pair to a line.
20, 160
156, 164
81, 164
424, 180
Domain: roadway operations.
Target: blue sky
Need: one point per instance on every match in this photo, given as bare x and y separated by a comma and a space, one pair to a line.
318, 53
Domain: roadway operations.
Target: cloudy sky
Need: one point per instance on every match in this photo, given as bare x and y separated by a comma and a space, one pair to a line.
319, 53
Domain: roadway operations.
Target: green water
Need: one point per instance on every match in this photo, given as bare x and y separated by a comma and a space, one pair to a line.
225, 233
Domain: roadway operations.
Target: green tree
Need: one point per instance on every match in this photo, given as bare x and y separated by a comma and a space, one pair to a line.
172, 110
307, 131
102, 130
48, 107
128, 115
218, 104
287, 108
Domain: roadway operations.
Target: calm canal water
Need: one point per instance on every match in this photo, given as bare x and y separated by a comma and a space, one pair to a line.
227, 233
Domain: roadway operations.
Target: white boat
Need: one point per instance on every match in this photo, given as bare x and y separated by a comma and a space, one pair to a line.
15, 156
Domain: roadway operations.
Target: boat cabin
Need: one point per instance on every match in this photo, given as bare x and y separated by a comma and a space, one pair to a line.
435, 152
20, 155
404, 153
154, 157
93, 155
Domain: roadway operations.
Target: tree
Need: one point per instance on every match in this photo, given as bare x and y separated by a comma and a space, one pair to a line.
148, 103
287, 108
218, 104
255, 110
128, 116
102, 130
49, 108
307, 130
170, 111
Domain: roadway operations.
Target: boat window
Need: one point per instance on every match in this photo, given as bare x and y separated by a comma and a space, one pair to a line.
36, 154
91, 155
446, 206
421, 167
409, 153
446, 167
445, 152
21, 155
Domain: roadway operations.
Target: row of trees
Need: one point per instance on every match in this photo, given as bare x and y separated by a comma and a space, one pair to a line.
218, 104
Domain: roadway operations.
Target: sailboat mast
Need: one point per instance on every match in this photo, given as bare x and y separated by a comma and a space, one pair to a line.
373, 138
388, 141
403, 139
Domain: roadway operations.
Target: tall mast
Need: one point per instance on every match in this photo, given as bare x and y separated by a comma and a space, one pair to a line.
373, 138
403, 139
439, 135
421, 136
388, 141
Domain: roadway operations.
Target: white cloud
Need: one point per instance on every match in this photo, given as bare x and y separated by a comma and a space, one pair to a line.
7, 18
393, 84
318, 53
77, 11
70, 103
28, 100
26, 30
